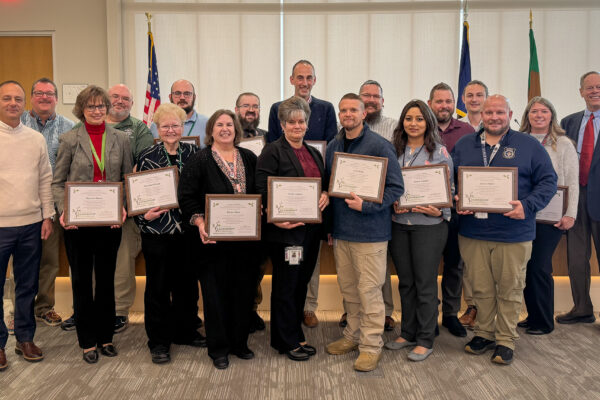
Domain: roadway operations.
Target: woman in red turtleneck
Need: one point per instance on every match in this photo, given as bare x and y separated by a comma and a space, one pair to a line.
92, 152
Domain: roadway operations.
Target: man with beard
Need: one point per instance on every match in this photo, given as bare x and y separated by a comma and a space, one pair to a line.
247, 108
473, 97
183, 94
496, 247
441, 102
371, 94
44, 119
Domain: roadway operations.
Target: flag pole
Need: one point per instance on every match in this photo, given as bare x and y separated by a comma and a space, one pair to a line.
530, 19
149, 17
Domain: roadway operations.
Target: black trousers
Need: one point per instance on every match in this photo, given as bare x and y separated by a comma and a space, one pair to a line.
93, 251
539, 285
170, 298
452, 273
416, 251
227, 273
288, 292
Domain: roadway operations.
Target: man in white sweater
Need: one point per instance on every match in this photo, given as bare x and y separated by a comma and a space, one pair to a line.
25, 216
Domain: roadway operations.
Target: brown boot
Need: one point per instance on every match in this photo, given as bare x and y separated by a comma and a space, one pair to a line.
29, 351
3, 362
468, 318
310, 319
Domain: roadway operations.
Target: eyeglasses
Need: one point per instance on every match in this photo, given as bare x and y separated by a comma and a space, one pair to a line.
124, 98
167, 128
92, 107
184, 94
370, 96
250, 107
590, 88
39, 93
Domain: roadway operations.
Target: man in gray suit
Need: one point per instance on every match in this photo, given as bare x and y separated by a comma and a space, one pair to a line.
583, 128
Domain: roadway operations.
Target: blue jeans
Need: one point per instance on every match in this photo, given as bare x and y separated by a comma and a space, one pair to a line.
24, 243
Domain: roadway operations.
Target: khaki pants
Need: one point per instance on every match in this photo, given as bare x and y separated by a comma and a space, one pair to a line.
497, 274
130, 247
361, 270
49, 264
467, 291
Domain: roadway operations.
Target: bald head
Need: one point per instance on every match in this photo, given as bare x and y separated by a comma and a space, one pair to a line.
496, 115
183, 94
121, 100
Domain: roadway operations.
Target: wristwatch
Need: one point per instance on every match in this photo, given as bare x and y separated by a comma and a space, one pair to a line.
195, 217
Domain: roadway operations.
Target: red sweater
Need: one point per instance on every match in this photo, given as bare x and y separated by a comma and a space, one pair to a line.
96, 132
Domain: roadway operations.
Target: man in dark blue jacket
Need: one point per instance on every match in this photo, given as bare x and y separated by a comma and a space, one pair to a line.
583, 128
361, 230
496, 247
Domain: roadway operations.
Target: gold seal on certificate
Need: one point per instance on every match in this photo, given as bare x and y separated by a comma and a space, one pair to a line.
254, 144
233, 216
362, 175
293, 199
185, 139
556, 208
151, 188
487, 189
320, 145
426, 185
93, 203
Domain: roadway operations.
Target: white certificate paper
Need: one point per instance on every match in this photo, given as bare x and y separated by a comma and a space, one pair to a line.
362, 175
93, 204
487, 189
320, 145
556, 208
254, 144
152, 188
294, 199
233, 217
426, 185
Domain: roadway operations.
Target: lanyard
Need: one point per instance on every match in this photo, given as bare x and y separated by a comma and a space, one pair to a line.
99, 161
179, 162
232, 173
191, 128
494, 150
412, 160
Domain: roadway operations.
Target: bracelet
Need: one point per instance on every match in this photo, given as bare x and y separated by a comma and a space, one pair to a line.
195, 217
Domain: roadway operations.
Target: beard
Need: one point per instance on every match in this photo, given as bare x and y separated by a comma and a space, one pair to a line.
118, 115
250, 125
190, 106
374, 116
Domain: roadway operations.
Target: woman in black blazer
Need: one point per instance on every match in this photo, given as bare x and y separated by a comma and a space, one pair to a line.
227, 270
289, 156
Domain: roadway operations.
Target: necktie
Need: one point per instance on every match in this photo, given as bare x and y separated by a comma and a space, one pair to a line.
587, 150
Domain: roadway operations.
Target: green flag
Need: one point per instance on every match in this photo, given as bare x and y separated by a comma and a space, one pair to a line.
533, 88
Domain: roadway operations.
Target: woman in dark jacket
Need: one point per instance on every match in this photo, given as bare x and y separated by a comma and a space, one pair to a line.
227, 270
289, 156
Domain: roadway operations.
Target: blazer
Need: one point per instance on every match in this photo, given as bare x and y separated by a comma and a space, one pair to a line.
571, 124
278, 159
75, 162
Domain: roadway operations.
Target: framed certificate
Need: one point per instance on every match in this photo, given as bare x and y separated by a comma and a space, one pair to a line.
557, 207
362, 175
254, 144
293, 199
151, 188
320, 145
185, 139
93, 203
487, 189
233, 217
427, 185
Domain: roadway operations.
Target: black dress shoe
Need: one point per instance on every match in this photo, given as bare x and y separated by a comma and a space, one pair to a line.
535, 331
297, 354
198, 341
569, 318
454, 326
308, 349
523, 324
221, 362
91, 357
160, 355
109, 350
245, 354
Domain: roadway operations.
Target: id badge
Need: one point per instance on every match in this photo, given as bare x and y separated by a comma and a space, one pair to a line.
481, 215
294, 255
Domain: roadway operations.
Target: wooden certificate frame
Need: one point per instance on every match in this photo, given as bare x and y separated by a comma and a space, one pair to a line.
133, 207
443, 168
272, 185
497, 176
72, 211
340, 183
244, 199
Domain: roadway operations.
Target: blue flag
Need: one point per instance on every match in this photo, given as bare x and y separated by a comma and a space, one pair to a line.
464, 73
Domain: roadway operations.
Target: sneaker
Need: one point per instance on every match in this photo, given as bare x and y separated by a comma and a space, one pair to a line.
10, 325
389, 323
468, 318
367, 361
479, 345
121, 323
50, 318
68, 324
310, 319
341, 346
502, 355
343, 322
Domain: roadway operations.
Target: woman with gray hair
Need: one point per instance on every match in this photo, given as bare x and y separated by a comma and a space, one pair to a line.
539, 120
289, 156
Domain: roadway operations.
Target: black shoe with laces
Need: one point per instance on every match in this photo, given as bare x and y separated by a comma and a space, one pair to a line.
479, 345
502, 355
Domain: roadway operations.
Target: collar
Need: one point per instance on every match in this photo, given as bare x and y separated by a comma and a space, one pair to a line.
502, 141
450, 127
310, 99
361, 134
10, 129
193, 118
38, 119
126, 121
587, 113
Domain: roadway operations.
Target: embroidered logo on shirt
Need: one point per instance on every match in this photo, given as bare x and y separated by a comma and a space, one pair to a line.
509, 153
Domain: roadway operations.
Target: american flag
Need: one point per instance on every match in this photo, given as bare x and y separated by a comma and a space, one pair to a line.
152, 88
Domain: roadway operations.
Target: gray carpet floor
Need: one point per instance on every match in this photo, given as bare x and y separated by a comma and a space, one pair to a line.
562, 365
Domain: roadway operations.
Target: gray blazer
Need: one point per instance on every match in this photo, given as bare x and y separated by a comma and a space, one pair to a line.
75, 162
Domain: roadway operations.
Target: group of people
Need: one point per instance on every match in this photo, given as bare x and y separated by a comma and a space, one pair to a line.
493, 259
